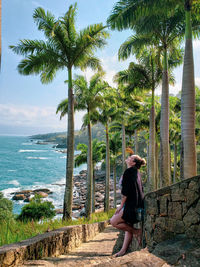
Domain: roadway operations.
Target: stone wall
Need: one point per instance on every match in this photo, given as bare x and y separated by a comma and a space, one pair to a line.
173, 210
52, 243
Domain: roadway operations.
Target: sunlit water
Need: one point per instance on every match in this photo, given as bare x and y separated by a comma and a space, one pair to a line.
27, 165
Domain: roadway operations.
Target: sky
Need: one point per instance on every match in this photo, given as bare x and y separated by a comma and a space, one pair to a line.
26, 105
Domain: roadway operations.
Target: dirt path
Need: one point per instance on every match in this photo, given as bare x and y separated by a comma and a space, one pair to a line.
98, 252
92, 252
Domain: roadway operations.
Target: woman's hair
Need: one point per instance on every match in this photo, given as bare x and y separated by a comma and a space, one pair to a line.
138, 161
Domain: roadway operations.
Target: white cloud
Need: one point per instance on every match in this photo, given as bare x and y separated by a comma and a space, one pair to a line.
197, 81
34, 116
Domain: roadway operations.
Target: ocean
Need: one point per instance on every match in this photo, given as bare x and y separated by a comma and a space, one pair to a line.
27, 165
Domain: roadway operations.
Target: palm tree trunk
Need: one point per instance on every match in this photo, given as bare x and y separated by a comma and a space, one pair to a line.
114, 179
68, 196
175, 162
93, 189
123, 147
107, 185
136, 142
164, 127
188, 102
156, 166
88, 208
181, 160
152, 145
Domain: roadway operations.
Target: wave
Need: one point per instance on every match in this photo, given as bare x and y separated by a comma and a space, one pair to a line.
27, 144
12, 170
7, 192
63, 157
37, 158
14, 182
31, 150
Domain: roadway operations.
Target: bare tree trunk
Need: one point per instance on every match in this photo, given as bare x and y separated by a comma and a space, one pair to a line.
107, 185
156, 167
175, 162
136, 142
88, 208
114, 179
123, 147
188, 102
93, 189
164, 128
68, 196
181, 161
151, 154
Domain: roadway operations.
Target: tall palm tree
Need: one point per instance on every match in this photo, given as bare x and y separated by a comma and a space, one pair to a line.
115, 145
87, 97
125, 14
162, 31
63, 48
145, 76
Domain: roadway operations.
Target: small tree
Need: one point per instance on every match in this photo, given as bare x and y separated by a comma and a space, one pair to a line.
37, 209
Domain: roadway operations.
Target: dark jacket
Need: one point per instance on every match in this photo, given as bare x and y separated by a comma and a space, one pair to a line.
131, 190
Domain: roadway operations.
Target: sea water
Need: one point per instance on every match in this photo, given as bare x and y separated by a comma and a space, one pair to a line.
24, 164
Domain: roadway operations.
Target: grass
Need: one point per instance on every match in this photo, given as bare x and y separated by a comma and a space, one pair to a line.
15, 231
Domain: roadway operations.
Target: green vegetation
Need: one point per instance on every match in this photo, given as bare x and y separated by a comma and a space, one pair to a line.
16, 231
36, 210
6, 207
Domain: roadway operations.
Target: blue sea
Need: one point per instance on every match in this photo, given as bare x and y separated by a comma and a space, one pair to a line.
27, 165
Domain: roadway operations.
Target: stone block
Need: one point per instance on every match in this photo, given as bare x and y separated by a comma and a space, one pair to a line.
191, 196
164, 204
184, 208
161, 222
197, 208
191, 217
151, 206
175, 210
193, 185
175, 226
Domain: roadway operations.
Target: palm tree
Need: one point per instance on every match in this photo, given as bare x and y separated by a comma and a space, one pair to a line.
145, 76
87, 97
98, 148
115, 145
63, 48
163, 31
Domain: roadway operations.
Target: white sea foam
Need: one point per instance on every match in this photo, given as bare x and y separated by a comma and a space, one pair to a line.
7, 192
63, 157
14, 182
37, 158
27, 144
12, 170
31, 150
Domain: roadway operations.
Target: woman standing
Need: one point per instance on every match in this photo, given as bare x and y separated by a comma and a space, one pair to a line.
132, 198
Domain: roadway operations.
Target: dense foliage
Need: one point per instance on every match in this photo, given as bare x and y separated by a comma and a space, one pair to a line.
36, 210
6, 208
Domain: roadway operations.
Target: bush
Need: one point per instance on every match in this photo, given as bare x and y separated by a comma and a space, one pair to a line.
37, 209
6, 208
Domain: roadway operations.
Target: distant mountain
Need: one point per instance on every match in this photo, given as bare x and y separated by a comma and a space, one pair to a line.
60, 138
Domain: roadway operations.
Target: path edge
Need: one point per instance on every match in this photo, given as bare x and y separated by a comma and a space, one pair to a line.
49, 244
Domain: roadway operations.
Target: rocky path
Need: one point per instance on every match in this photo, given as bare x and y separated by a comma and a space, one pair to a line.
98, 252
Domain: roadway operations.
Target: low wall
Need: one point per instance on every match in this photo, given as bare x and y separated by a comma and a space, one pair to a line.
52, 243
173, 210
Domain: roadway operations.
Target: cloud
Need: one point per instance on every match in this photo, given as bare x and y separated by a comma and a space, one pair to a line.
34, 116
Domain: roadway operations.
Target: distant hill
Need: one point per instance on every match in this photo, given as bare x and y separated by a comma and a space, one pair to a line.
60, 138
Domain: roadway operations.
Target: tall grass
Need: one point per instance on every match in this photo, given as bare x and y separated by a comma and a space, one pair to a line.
14, 231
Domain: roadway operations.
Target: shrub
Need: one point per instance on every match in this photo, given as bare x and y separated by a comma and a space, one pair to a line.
37, 209
6, 208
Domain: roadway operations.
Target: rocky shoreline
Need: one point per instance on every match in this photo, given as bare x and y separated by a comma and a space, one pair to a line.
79, 198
